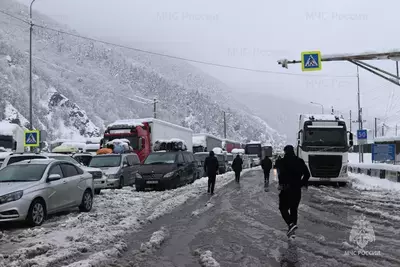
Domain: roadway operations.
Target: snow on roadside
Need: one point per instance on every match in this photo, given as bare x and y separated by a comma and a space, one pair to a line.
94, 238
156, 239
368, 183
206, 207
206, 259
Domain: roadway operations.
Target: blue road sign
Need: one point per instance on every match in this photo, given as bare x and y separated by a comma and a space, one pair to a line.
383, 152
362, 134
32, 138
311, 61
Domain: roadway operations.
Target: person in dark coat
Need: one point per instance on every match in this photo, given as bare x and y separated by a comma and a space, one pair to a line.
293, 174
266, 165
211, 168
237, 166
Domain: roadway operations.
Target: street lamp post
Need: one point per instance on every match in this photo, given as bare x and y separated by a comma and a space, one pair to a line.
30, 68
322, 106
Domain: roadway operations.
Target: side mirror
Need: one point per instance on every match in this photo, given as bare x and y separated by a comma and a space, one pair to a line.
53, 177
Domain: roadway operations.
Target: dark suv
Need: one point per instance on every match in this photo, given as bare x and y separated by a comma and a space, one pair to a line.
167, 170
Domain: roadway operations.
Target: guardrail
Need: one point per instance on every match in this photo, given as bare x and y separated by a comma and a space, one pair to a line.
382, 171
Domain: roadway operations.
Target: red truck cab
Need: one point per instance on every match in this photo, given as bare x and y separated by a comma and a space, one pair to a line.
139, 137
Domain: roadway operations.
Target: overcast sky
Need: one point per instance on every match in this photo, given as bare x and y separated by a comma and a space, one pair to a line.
255, 34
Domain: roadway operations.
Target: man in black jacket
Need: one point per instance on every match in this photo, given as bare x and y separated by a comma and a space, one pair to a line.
266, 165
293, 175
237, 166
211, 168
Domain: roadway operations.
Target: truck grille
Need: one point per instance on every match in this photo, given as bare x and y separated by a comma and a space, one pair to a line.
325, 166
96, 174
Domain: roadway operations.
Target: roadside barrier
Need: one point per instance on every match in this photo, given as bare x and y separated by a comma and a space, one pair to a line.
379, 170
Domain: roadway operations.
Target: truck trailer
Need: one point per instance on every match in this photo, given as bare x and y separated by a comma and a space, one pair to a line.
143, 133
11, 137
323, 142
228, 145
203, 142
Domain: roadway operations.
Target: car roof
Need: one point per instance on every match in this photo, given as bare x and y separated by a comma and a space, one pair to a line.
34, 161
107, 155
25, 154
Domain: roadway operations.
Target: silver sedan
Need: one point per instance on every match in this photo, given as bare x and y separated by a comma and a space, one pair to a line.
32, 189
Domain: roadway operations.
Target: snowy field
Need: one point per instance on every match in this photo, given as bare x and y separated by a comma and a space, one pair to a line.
88, 239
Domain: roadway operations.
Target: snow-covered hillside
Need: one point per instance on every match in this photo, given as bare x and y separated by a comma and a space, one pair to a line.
96, 82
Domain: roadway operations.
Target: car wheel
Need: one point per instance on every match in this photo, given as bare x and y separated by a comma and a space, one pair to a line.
87, 201
37, 213
121, 182
97, 191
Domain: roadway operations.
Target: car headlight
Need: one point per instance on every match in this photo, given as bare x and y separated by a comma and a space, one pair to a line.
138, 176
11, 197
112, 176
170, 174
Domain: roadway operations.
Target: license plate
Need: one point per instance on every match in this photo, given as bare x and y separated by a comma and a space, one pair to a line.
324, 179
152, 182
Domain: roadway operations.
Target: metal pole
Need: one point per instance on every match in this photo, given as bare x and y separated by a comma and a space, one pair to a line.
322, 106
383, 130
360, 123
350, 121
30, 68
224, 125
333, 111
397, 70
155, 109
396, 129
376, 127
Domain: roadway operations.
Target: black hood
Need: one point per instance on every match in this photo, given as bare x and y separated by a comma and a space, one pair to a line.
157, 168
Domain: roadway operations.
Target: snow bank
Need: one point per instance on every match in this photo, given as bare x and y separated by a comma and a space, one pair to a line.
156, 239
237, 151
206, 207
126, 123
206, 259
218, 150
368, 183
353, 158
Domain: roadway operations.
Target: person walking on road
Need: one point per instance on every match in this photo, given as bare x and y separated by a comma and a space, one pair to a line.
266, 165
211, 168
293, 175
237, 166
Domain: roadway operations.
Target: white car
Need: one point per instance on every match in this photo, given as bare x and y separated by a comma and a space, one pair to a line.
99, 177
32, 189
17, 157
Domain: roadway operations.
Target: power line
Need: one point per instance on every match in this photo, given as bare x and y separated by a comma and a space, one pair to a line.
175, 57
12, 16
186, 59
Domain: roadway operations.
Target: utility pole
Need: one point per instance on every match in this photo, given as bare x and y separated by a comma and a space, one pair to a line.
397, 70
360, 122
396, 129
155, 108
30, 68
383, 129
376, 127
224, 124
350, 121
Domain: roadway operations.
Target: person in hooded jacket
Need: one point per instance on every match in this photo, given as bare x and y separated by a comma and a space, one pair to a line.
211, 168
293, 174
266, 165
237, 166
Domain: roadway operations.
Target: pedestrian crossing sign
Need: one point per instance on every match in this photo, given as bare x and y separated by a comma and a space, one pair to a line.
311, 61
32, 138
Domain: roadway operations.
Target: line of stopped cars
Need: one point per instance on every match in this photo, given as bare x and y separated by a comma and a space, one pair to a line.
33, 186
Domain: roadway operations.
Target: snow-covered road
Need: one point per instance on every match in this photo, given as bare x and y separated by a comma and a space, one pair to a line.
89, 239
241, 226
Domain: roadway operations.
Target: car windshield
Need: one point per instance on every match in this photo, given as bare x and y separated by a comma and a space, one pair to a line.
220, 157
105, 161
325, 137
160, 158
66, 158
22, 173
230, 157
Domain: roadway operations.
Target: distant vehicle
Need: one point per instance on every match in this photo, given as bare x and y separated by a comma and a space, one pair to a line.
143, 133
254, 160
69, 150
229, 158
200, 157
12, 137
323, 144
33, 189
91, 148
121, 169
245, 158
205, 142
228, 145
167, 170
253, 148
17, 157
266, 151
222, 162
83, 158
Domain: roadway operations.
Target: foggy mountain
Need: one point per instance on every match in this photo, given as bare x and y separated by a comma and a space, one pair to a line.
80, 86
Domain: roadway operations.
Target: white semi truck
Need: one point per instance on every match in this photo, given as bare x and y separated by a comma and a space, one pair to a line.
11, 137
205, 142
323, 143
